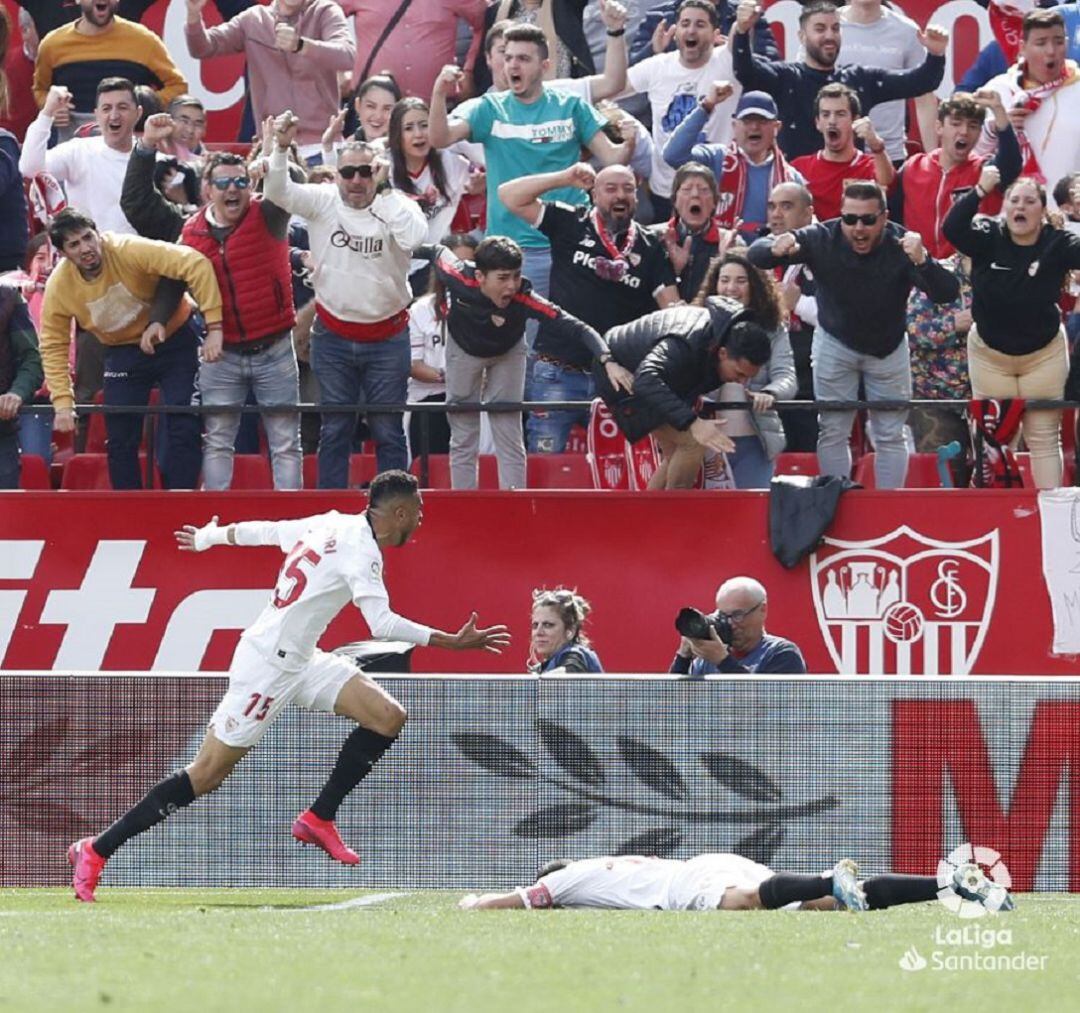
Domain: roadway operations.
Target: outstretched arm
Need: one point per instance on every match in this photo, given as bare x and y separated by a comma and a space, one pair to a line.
490, 901
470, 638
244, 533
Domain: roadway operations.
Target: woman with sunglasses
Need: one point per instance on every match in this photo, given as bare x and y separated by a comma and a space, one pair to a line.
434, 179
1016, 345
558, 644
758, 435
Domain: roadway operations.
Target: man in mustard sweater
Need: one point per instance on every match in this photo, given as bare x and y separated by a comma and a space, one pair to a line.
98, 45
118, 288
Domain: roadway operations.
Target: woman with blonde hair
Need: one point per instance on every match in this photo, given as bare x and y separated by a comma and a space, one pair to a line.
558, 644
1016, 345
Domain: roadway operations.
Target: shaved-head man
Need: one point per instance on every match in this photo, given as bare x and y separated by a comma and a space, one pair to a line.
605, 266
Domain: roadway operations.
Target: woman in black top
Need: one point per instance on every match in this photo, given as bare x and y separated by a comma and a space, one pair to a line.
1016, 347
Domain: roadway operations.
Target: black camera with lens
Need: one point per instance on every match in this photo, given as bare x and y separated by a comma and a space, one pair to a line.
696, 625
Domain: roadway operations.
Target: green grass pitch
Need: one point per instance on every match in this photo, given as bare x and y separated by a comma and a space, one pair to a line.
200, 950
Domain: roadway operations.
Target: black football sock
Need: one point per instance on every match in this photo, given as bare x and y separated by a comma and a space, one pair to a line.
360, 752
161, 801
894, 888
786, 887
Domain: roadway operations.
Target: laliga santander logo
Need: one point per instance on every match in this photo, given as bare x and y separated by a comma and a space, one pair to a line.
905, 603
989, 862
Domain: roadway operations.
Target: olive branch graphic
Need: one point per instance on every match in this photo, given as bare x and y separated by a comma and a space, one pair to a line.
588, 784
28, 771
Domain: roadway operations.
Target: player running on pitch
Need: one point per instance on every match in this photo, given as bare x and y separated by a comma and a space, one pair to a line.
728, 882
331, 559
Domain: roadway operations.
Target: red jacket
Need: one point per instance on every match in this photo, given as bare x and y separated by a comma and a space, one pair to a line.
253, 272
929, 192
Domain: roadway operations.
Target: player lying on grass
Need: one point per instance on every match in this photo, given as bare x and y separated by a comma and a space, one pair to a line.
727, 882
331, 559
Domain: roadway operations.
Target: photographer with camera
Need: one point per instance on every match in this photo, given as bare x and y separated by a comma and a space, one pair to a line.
733, 639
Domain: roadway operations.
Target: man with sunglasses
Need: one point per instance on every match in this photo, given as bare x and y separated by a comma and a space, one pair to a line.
245, 237
742, 600
362, 234
865, 268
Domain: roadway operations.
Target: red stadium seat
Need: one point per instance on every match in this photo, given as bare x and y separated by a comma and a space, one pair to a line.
33, 472
922, 472
558, 471
439, 471
362, 469
95, 430
90, 472
251, 471
796, 464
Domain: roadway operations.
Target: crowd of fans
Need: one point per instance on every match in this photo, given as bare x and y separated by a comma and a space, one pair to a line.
472, 201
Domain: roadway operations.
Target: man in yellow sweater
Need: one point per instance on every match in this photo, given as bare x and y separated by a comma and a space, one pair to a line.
99, 45
118, 288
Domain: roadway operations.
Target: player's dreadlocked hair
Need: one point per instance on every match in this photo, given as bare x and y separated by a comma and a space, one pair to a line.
391, 485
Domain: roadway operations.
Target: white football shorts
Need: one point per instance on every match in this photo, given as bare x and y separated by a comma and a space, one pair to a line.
258, 691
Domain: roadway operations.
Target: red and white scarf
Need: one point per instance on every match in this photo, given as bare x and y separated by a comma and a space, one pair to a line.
1032, 99
614, 251
733, 183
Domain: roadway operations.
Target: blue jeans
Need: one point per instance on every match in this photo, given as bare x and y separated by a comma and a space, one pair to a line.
837, 371
9, 459
536, 266
750, 465
129, 377
358, 372
35, 434
548, 431
272, 376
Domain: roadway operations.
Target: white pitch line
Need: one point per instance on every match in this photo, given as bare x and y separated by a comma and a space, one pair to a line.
368, 900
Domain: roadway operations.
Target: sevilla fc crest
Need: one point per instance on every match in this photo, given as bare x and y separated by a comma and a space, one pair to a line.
905, 604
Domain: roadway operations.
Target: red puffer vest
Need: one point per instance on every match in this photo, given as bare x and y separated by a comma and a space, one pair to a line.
253, 272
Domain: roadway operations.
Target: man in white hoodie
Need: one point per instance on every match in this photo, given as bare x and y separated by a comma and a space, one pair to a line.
1042, 95
361, 233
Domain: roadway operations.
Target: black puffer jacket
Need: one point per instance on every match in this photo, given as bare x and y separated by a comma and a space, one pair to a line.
672, 354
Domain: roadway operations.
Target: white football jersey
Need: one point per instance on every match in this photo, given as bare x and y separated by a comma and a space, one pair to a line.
636, 882
331, 559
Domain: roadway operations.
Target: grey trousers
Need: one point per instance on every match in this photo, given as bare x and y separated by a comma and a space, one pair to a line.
472, 379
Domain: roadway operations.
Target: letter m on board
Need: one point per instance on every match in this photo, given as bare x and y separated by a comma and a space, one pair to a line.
941, 741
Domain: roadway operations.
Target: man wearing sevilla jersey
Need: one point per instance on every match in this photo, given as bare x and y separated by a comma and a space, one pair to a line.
331, 559
727, 882
605, 270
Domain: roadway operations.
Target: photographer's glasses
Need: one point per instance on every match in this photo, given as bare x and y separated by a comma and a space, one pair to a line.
223, 183
740, 614
850, 219
363, 171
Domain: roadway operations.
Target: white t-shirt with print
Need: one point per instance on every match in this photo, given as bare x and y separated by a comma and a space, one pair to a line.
427, 342
438, 208
673, 92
